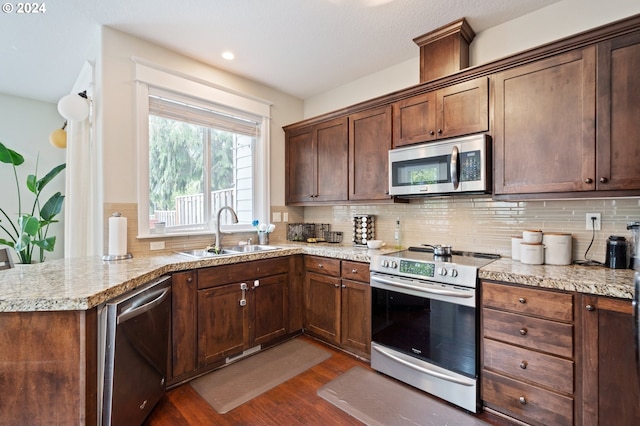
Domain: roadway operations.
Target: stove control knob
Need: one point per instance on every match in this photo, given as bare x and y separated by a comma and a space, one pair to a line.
453, 273
442, 271
385, 263
394, 265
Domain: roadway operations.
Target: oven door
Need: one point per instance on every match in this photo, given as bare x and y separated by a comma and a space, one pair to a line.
426, 338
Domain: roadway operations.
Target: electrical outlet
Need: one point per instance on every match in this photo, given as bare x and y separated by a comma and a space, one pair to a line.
591, 224
156, 245
276, 217
285, 216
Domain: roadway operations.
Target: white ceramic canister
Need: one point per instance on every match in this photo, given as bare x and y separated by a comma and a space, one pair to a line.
558, 248
515, 247
532, 236
532, 253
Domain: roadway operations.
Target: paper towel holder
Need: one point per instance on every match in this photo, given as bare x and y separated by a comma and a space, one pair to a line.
111, 257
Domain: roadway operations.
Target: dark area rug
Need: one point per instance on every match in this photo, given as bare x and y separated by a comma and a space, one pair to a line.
375, 399
231, 386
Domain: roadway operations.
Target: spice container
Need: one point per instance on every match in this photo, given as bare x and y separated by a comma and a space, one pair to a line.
363, 229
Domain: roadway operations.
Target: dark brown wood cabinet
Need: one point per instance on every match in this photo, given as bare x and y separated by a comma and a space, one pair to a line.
317, 163
528, 353
552, 136
369, 145
241, 306
184, 319
611, 389
338, 302
456, 110
618, 114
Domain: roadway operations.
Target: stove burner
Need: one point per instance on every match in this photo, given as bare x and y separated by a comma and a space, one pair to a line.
455, 253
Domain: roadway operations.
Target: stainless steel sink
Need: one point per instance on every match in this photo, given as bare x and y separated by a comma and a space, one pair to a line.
204, 253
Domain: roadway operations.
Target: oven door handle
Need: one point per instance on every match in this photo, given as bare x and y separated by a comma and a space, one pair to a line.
420, 369
423, 289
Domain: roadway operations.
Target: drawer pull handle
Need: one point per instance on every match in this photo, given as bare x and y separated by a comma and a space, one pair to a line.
523, 365
522, 300
523, 331
354, 271
590, 308
336, 285
320, 265
522, 400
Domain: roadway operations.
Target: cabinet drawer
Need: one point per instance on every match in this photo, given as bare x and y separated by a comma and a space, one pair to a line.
526, 402
524, 364
541, 303
535, 333
356, 271
244, 271
322, 265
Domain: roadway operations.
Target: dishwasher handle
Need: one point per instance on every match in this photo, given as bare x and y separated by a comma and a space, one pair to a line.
139, 307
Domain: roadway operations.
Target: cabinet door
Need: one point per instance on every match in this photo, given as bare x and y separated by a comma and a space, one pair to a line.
332, 170
356, 320
618, 143
300, 164
183, 323
322, 306
222, 322
269, 309
369, 145
544, 134
611, 390
414, 120
463, 108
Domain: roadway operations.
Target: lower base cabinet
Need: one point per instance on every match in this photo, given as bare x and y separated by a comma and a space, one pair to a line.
221, 311
611, 383
338, 303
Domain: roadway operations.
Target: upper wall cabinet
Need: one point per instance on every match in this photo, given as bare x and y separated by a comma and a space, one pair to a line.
316, 163
456, 110
544, 135
552, 137
369, 145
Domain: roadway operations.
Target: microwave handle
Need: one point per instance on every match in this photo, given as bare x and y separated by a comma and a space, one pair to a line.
455, 179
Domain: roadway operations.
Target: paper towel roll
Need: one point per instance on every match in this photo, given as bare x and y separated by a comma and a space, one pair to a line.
117, 235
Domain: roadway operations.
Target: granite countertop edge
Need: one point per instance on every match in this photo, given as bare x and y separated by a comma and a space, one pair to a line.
83, 283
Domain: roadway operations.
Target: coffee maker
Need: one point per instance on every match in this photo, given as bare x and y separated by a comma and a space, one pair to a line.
634, 252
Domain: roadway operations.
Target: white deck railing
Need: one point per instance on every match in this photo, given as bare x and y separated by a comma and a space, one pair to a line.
189, 208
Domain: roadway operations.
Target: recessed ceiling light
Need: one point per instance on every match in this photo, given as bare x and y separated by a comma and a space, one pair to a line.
228, 55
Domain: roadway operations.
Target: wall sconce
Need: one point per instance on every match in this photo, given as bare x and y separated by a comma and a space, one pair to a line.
58, 137
74, 107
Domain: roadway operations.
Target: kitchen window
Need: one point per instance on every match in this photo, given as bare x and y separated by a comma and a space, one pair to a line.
196, 155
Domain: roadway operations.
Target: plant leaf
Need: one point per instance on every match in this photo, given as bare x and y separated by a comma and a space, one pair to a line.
23, 243
47, 244
9, 156
29, 225
52, 207
6, 242
39, 185
31, 183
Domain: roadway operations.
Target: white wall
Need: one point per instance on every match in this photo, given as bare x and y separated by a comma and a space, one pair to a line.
551, 23
25, 125
116, 118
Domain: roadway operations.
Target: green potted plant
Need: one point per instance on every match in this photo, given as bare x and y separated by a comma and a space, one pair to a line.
30, 229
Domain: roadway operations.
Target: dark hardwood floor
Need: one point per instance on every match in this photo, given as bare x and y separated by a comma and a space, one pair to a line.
294, 402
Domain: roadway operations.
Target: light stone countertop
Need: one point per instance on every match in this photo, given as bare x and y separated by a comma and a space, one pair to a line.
83, 283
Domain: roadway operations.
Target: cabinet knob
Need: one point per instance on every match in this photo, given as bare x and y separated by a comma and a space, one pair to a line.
190, 279
522, 300
256, 283
523, 331
320, 265
432, 133
354, 271
344, 286
588, 180
522, 400
336, 285
590, 308
604, 180
523, 365
439, 131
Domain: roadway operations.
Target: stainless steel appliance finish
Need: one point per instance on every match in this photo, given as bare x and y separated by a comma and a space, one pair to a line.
425, 324
454, 166
136, 352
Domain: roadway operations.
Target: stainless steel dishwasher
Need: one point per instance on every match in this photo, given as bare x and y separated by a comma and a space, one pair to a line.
136, 346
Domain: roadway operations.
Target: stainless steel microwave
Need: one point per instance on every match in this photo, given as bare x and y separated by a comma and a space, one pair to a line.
460, 165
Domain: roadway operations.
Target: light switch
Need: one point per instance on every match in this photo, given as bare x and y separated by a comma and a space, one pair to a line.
156, 245
276, 217
285, 217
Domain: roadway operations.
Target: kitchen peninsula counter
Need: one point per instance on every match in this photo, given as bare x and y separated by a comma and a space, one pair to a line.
83, 283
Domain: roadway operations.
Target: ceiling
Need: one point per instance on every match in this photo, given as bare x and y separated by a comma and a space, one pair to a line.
300, 47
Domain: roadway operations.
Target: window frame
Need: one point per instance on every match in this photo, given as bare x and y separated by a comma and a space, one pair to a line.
151, 75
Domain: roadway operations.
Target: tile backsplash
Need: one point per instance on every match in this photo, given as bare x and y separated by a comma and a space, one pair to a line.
484, 225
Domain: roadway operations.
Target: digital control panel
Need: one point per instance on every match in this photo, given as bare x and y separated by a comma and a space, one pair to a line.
470, 166
422, 269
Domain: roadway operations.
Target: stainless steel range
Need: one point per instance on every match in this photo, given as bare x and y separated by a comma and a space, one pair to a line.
425, 322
